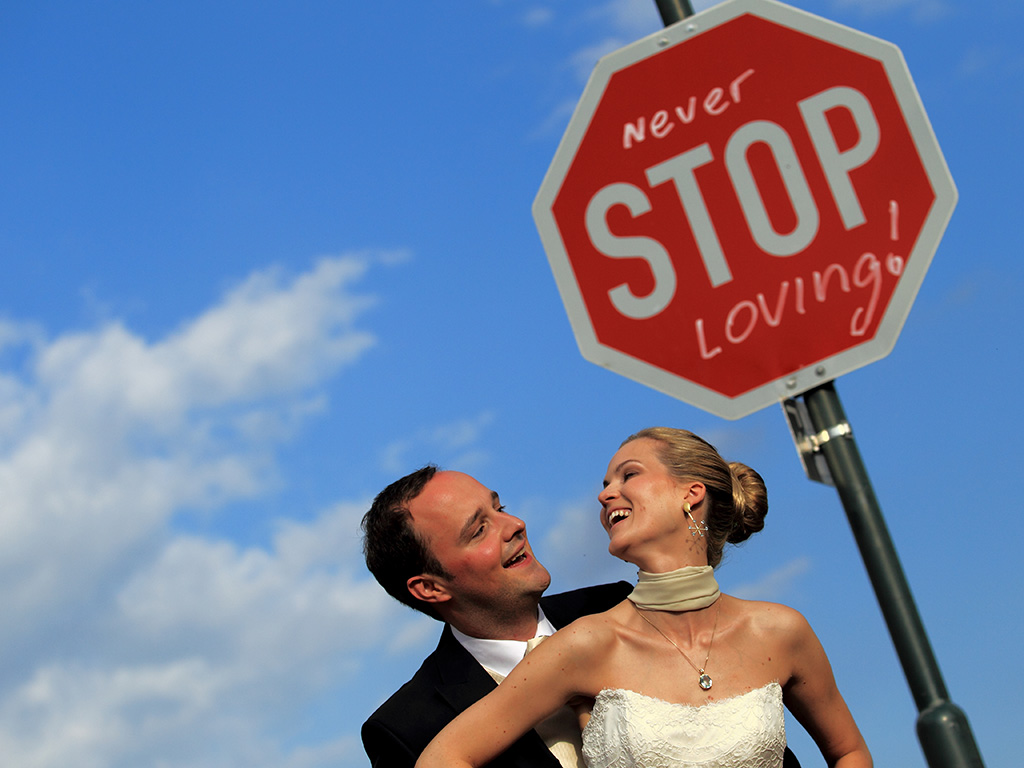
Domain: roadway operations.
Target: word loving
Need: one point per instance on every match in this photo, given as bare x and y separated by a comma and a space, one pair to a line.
743, 318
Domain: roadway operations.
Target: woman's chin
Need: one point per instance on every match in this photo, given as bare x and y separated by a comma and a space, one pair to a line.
618, 549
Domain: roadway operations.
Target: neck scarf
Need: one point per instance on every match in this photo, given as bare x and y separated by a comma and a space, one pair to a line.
687, 589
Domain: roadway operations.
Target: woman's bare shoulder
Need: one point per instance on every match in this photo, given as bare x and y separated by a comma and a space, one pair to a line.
596, 631
764, 616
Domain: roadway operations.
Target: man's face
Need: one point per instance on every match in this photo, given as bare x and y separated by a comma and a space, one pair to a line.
484, 548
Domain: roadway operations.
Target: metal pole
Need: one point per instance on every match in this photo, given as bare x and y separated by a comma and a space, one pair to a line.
673, 10
942, 727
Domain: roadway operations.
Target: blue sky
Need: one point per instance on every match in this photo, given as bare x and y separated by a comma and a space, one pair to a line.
261, 259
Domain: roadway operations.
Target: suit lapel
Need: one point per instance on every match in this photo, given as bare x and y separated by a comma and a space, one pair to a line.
557, 612
463, 682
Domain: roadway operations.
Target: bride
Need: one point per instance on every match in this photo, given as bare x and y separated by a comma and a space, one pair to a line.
679, 674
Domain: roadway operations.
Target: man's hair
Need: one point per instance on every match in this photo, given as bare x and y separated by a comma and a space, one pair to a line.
393, 550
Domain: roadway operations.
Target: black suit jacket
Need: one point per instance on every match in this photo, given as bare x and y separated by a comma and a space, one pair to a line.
450, 680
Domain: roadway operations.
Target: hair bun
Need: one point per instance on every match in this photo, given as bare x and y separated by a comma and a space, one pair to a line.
750, 502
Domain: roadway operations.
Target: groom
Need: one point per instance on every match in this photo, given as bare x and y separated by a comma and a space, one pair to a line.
443, 544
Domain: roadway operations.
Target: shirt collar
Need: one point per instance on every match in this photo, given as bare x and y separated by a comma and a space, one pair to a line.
502, 655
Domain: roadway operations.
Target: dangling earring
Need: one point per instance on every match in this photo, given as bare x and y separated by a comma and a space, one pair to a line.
697, 527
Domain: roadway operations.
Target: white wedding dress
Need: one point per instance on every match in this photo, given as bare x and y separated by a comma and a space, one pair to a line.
630, 730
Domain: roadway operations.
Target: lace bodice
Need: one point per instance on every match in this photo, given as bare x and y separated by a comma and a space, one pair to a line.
630, 730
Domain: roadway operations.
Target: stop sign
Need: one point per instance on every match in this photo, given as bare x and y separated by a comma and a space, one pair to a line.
744, 206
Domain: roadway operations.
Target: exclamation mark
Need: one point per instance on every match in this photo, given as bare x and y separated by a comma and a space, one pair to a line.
894, 263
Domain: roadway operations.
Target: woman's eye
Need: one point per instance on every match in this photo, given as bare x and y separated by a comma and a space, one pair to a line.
628, 474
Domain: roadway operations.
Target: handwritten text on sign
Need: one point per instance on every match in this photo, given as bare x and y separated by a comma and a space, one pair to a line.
836, 164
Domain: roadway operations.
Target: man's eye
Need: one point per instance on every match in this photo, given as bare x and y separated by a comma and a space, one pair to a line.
501, 508
479, 531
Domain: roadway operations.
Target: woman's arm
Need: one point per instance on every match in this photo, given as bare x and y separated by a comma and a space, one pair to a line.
814, 699
538, 686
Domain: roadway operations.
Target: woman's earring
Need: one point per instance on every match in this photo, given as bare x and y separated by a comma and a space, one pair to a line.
697, 527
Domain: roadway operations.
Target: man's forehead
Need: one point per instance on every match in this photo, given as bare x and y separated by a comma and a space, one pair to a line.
453, 495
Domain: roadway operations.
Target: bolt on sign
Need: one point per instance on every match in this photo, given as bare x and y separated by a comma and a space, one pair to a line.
744, 205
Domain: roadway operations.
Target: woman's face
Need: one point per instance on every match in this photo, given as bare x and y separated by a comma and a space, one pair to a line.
642, 503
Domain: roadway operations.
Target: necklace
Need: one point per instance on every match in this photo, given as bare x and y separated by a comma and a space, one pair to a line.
704, 679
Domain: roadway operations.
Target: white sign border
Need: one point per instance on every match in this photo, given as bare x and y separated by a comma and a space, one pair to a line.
819, 371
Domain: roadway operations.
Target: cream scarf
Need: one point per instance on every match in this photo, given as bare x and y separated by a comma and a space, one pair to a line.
686, 589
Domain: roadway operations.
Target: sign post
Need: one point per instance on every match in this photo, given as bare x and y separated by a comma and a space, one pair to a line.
674, 10
942, 727
743, 208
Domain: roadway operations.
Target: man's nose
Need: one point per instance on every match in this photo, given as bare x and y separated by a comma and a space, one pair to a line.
514, 527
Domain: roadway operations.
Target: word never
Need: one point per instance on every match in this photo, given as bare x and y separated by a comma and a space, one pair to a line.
660, 121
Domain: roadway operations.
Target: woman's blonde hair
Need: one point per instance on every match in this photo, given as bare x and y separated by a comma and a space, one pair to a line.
736, 497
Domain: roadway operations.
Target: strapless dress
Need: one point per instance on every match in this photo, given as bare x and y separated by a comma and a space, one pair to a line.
630, 730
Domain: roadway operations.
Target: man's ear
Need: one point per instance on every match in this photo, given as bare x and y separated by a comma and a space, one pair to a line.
429, 589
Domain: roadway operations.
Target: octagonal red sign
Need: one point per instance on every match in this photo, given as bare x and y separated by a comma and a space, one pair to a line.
744, 205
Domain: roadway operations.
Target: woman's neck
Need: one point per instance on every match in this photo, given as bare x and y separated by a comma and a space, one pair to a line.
664, 562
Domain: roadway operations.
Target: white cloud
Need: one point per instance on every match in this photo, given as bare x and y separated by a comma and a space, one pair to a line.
616, 23
538, 16
774, 586
332, 754
109, 435
630, 19
69, 715
575, 548
556, 121
920, 10
979, 61
122, 639
583, 60
449, 445
280, 612
418, 632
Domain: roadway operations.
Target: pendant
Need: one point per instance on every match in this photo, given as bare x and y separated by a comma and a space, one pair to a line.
704, 680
